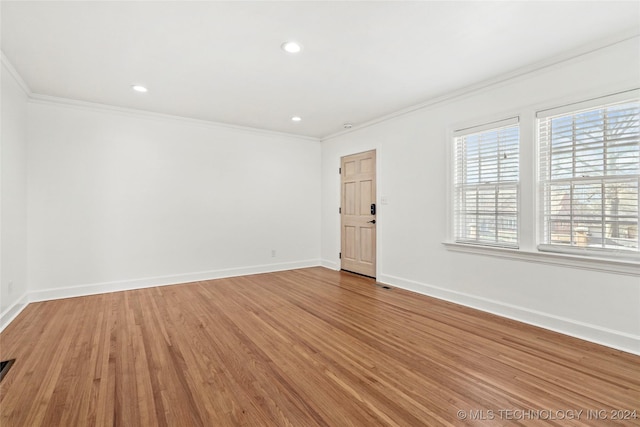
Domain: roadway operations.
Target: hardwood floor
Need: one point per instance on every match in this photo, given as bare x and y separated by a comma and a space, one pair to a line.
310, 347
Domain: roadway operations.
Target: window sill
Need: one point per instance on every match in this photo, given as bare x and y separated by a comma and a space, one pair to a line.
627, 267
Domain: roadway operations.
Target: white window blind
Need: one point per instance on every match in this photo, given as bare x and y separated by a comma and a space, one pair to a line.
589, 172
486, 184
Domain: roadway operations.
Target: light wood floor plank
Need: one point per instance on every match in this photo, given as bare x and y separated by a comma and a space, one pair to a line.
309, 347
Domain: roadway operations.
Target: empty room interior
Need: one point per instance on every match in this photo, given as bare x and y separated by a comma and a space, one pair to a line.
319, 213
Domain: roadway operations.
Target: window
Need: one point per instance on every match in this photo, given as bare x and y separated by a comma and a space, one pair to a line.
589, 171
486, 175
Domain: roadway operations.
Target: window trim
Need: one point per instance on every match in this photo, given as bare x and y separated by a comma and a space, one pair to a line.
591, 263
613, 98
496, 124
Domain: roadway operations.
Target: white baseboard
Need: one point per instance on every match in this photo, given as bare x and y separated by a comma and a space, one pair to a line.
149, 282
611, 338
12, 312
329, 264
588, 332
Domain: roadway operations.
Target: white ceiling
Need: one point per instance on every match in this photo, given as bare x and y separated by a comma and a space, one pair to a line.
221, 61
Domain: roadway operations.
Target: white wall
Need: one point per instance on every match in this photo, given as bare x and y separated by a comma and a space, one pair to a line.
13, 196
118, 200
412, 175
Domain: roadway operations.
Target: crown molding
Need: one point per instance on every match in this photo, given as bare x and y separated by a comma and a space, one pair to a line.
518, 74
515, 75
37, 98
47, 99
8, 66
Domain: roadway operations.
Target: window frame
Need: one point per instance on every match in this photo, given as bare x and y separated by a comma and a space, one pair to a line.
453, 215
569, 109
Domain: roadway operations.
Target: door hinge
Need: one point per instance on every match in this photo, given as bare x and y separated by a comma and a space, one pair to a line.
340, 255
339, 210
339, 170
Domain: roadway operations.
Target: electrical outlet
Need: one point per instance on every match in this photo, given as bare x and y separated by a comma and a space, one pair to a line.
10, 287
273, 253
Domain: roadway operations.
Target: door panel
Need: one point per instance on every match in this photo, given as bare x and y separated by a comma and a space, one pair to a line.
365, 243
366, 197
367, 165
350, 196
349, 168
358, 232
349, 251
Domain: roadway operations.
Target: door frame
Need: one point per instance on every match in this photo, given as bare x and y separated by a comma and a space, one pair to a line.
378, 151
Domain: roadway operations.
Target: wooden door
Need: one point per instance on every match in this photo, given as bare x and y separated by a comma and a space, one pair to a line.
357, 223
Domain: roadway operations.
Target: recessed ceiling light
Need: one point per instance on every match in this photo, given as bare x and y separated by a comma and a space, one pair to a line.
291, 47
296, 118
139, 88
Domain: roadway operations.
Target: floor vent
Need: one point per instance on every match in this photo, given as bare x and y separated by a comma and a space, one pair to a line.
5, 365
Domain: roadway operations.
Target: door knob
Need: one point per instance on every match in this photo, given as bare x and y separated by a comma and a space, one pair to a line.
373, 221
